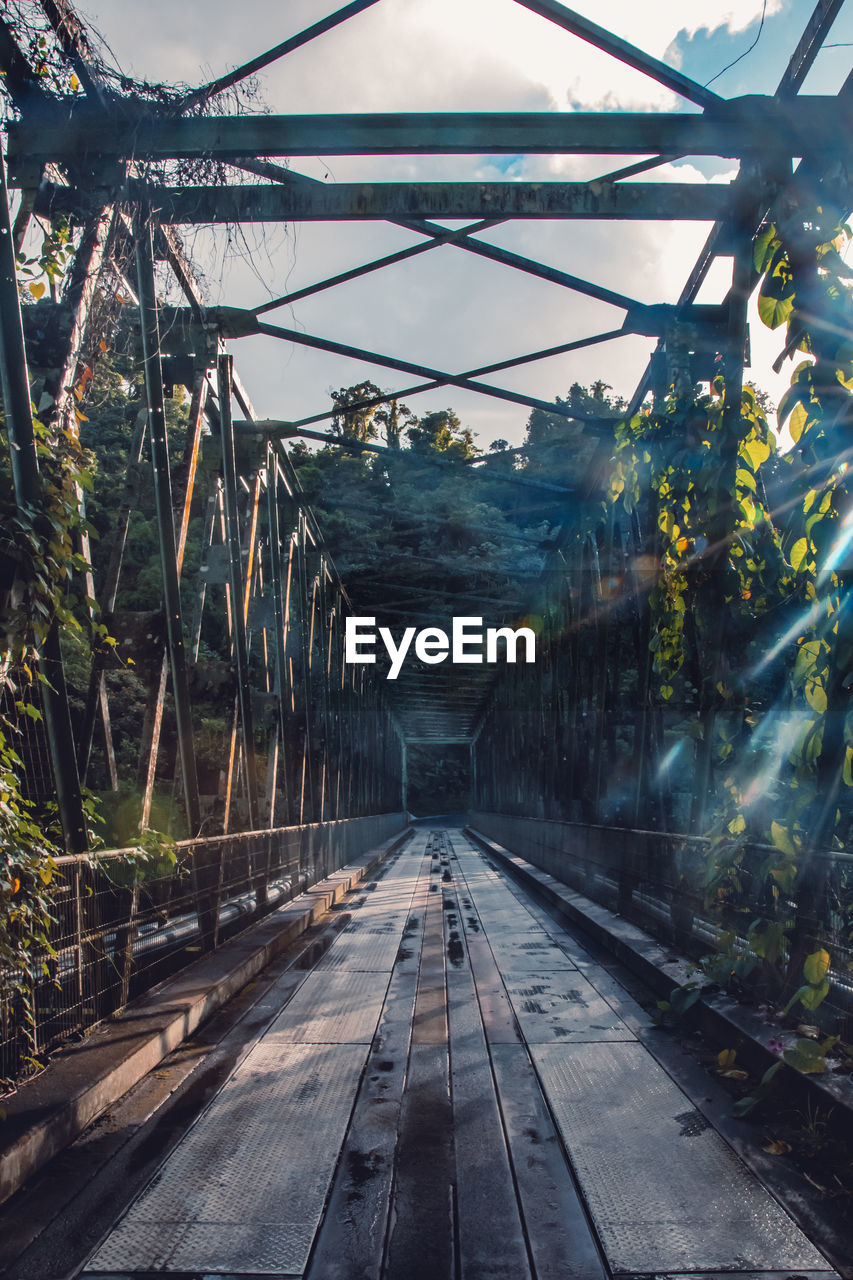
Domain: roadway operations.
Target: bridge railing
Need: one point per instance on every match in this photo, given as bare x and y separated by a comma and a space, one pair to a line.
125, 921
655, 878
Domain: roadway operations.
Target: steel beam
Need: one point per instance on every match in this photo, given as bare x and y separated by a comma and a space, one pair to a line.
625, 52
754, 125
799, 65
811, 41
79, 294
463, 239
254, 65
531, 267
173, 252
195, 425
440, 238
280, 614
409, 201
277, 173
407, 366
165, 517
296, 428
71, 35
239, 587
118, 536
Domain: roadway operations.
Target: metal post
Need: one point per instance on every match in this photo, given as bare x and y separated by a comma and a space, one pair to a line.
235, 562
289, 757
25, 477
79, 293
305, 647
165, 518
278, 612
324, 644
339, 699
97, 691
191, 452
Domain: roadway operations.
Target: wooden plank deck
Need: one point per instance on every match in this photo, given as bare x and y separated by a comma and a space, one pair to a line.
478, 1105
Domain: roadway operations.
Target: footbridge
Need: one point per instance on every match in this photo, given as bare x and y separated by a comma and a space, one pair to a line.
319, 965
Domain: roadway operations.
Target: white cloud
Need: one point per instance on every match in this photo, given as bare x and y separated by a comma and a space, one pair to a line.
413, 54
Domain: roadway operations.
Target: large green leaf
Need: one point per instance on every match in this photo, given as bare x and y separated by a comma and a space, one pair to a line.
798, 553
793, 396
816, 967
799, 421
775, 302
816, 696
781, 838
756, 452
785, 877
806, 1056
814, 996
764, 247
807, 657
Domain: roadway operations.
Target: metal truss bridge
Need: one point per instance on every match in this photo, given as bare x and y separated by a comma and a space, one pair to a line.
441, 1081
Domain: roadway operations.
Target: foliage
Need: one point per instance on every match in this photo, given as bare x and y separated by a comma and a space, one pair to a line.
806, 1055
152, 857
47, 268
806, 285
416, 509
750, 624
40, 547
42, 569
675, 455
671, 1012
438, 779
815, 989
27, 870
441, 432
726, 1059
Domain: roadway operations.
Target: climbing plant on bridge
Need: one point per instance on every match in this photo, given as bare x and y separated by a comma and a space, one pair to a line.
749, 617
753, 588
43, 568
806, 286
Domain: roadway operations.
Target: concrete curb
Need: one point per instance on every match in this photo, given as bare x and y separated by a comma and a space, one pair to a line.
721, 1019
50, 1111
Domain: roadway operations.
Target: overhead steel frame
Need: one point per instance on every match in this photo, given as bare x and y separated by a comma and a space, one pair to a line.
70, 154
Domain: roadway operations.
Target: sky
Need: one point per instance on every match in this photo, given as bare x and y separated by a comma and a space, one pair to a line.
449, 309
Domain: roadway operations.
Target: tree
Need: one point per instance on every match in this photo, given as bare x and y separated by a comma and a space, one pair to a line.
352, 417
442, 432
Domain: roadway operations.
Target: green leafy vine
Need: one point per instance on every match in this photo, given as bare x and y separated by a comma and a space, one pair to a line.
733, 570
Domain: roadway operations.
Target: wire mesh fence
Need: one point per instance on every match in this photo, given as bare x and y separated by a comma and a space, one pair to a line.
125, 920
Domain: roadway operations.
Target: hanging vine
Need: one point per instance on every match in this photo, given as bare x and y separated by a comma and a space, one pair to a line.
743, 590
40, 558
670, 461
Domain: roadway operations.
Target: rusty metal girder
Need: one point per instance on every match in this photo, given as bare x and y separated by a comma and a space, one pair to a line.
753, 125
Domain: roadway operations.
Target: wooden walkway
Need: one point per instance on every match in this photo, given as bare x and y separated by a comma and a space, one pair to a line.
455, 1091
